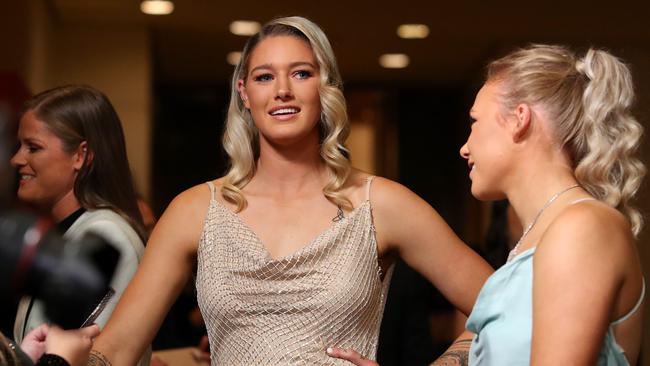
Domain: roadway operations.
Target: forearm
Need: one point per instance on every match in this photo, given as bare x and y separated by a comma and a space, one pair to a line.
96, 358
458, 353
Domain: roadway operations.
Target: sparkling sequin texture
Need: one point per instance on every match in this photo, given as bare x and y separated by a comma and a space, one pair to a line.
263, 311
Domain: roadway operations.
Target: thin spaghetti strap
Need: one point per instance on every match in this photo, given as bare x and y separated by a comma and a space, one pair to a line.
368, 182
635, 308
212, 189
583, 200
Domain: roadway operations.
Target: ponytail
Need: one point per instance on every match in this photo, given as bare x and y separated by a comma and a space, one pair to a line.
588, 100
605, 151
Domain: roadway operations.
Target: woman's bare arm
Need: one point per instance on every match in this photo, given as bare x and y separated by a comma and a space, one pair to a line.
408, 225
165, 268
458, 353
580, 267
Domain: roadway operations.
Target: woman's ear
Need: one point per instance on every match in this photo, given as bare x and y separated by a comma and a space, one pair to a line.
82, 154
521, 124
241, 88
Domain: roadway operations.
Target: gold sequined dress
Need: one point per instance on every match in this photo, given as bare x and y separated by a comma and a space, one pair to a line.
264, 311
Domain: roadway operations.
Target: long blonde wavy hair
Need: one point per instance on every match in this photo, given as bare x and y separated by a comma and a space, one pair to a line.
589, 100
241, 137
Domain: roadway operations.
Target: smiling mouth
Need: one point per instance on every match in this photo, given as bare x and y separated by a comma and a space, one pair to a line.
285, 111
24, 178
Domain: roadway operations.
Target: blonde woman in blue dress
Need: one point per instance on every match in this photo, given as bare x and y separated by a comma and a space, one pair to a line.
552, 132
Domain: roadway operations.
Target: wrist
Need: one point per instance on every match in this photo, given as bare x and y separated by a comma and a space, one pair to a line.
98, 359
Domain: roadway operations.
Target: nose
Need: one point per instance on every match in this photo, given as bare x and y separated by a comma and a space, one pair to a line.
17, 160
464, 151
283, 91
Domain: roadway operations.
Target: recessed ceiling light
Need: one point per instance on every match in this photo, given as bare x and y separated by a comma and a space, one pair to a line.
157, 7
244, 27
413, 31
394, 60
233, 58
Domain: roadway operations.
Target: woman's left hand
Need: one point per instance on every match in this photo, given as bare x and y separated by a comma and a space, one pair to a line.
34, 342
350, 355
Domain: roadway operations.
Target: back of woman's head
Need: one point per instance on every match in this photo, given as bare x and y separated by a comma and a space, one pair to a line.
588, 100
77, 114
241, 140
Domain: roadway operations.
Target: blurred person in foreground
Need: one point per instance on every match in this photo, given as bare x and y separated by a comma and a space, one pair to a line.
44, 345
73, 167
49, 346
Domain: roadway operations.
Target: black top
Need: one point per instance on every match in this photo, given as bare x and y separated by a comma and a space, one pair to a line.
65, 224
49, 359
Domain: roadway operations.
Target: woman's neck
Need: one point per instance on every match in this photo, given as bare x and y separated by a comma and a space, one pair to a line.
64, 207
289, 169
534, 188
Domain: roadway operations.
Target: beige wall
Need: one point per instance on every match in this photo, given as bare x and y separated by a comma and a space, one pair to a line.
117, 62
373, 138
14, 31
38, 46
48, 52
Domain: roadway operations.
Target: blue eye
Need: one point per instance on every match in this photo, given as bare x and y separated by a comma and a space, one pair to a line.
302, 74
263, 77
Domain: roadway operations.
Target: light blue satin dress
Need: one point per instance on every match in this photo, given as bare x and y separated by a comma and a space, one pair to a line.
502, 319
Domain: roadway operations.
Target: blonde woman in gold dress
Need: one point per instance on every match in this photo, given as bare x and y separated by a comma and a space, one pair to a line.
293, 247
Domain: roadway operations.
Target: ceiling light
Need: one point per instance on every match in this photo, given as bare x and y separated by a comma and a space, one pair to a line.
394, 60
413, 31
244, 27
157, 7
233, 58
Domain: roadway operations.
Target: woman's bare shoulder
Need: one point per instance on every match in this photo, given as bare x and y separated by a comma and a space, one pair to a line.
589, 229
192, 204
389, 193
183, 219
593, 219
382, 190
198, 194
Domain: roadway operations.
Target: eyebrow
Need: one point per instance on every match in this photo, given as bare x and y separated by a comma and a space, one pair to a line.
32, 140
291, 66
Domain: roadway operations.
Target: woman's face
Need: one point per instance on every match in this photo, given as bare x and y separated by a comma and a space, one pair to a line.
486, 147
281, 90
47, 172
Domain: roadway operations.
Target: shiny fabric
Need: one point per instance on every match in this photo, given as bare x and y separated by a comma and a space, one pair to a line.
502, 319
263, 311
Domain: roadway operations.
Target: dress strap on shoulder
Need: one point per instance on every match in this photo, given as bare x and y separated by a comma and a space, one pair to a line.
212, 190
635, 308
368, 183
582, 200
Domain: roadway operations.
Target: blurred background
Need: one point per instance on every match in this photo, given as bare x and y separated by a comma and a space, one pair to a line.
408, 92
